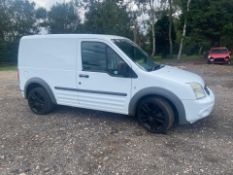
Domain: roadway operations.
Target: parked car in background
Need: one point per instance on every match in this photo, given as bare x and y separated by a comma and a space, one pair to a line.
219, 55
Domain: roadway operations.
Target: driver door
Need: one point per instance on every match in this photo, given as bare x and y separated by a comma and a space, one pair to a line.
102, 85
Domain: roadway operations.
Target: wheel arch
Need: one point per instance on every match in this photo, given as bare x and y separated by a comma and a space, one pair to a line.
175, 102
38, 82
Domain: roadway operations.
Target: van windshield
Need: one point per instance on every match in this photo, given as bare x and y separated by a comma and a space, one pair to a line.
137, 55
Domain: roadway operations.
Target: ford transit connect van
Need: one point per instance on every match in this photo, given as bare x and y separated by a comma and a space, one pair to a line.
109, 73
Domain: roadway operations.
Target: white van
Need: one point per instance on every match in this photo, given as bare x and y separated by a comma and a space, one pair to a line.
109, 73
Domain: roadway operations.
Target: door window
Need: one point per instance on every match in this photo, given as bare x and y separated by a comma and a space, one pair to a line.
99, 57
94, 56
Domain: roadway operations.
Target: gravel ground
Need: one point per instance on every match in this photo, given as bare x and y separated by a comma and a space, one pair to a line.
78, 141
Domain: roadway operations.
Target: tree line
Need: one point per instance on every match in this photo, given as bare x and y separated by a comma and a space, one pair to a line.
168, 28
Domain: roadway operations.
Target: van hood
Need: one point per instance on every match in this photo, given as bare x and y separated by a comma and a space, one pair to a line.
178, 75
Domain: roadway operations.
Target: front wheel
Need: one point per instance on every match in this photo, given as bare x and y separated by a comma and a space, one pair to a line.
155, 115
39, 101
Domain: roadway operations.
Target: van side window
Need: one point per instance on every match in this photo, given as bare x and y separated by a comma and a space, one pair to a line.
94, 56
99, 57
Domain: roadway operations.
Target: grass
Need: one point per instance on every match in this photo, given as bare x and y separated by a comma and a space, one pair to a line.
184, 58
8, 68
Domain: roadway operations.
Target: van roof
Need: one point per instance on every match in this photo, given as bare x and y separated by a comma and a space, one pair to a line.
86, 36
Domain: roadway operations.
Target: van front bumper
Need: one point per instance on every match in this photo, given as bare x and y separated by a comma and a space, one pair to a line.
198, 109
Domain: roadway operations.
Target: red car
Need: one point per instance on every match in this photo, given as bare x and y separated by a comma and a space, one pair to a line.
219, 55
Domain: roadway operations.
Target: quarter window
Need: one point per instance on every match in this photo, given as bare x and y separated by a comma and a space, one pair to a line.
114, 62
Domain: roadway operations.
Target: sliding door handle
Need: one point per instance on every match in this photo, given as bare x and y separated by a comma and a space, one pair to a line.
83, 76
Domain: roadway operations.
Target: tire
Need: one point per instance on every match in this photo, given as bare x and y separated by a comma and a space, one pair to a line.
155, 115
39, 101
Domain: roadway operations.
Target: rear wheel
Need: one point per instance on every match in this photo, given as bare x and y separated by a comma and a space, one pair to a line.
39, 101
155, 115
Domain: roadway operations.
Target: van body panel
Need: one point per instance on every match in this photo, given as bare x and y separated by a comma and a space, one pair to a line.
53, 61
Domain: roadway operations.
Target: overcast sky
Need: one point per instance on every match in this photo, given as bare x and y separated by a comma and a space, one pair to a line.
47, 3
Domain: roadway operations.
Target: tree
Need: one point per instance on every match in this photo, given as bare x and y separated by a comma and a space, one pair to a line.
134, 9
152, 18
107, 17
185, 11
23, 18
170, 28
63, 18
152, 22
17, 18
170, 7
162, 35
208, 22
152, 10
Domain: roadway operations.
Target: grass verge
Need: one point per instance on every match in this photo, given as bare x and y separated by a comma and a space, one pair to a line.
183, 59
8, 68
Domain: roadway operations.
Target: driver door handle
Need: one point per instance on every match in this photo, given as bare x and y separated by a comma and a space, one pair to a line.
83, 76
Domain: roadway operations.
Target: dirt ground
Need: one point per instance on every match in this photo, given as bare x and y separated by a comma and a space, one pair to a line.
77, 141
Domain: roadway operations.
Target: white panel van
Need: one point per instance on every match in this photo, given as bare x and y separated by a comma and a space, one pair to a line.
112, 74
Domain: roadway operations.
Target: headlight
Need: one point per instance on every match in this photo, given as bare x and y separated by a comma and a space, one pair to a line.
198, 90
209, 56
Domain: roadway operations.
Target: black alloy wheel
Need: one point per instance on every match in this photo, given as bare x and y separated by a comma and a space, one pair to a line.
39, 101
155, 115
